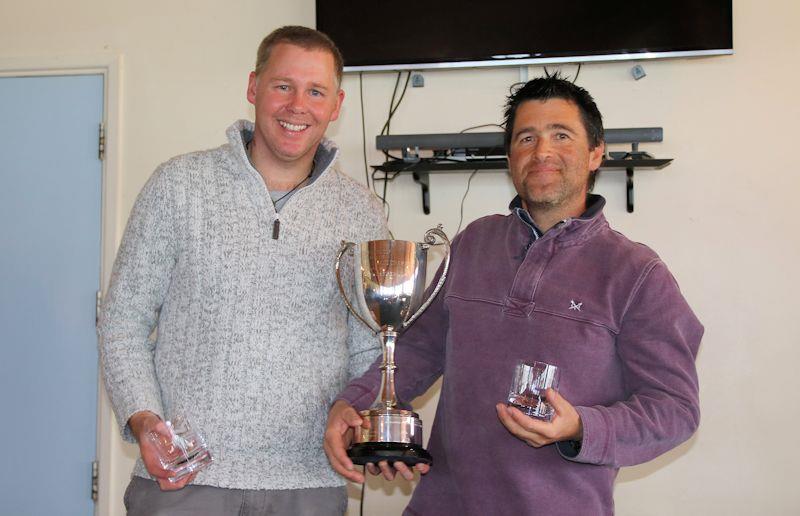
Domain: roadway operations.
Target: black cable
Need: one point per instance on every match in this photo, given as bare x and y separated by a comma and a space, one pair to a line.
385, 130
386, 125
394, 107
577, 73
364, 483
374, 179
385, 179
385, 184
363, 126
374, 188
374, 171
391, 103
461, 217
481, 126
402, 93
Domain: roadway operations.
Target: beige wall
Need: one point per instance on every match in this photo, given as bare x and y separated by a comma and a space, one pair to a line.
722, 215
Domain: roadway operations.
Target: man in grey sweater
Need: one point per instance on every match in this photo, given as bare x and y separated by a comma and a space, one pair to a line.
229, 255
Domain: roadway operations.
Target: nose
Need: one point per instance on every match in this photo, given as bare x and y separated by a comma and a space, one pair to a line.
542, 148
297, 102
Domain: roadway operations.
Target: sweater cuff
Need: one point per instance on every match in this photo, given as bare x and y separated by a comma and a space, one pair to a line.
569, 449
127, 434
123, 416
357, 395
594, 445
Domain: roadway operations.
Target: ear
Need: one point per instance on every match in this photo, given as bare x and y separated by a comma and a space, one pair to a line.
339, 100
596, 156
252, 84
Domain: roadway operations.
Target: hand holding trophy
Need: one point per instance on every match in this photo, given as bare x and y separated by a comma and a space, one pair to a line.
389, 283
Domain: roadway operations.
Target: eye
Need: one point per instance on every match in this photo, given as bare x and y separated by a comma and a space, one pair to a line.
316, 93
562, 136
526, 138
282, 87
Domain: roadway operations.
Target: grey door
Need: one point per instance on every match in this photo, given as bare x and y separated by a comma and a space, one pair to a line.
50, 208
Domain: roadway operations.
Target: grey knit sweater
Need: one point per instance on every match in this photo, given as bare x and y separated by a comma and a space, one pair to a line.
253, 341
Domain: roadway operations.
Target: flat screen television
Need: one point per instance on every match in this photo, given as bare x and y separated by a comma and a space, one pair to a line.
423, 34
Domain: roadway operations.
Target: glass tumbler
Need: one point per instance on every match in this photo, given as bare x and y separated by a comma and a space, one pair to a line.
528, 386
184, 451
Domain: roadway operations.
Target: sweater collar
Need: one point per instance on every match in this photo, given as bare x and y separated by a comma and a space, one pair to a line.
568, 228
241, 131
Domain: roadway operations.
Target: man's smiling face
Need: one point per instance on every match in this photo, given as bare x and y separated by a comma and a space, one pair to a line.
550, 157
295, 96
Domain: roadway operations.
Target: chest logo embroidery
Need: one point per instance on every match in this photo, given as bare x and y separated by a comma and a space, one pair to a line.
575, 306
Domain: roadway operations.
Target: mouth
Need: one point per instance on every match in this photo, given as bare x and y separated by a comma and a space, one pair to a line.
543, 170
294, 128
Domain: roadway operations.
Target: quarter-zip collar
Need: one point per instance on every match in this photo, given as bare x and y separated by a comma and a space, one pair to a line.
567, 229
259, 193
241, 132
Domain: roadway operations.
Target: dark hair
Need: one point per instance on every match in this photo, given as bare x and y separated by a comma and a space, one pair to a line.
302, 37
554, 87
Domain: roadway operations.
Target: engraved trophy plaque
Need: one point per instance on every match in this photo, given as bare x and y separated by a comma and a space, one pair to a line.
389, 284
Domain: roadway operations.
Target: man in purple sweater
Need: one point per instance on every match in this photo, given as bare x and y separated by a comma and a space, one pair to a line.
551, 282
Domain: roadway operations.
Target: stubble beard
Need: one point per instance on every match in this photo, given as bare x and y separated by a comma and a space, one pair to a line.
545, 201
562, 200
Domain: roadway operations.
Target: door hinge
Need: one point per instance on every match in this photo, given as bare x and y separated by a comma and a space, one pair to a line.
98, 304
101, 142
95, 480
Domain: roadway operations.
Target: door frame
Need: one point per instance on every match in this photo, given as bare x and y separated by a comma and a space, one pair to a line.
108, 453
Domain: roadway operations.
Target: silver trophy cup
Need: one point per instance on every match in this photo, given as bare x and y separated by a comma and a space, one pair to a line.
389, 286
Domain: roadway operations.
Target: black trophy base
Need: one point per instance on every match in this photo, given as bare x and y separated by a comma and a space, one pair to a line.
407, 453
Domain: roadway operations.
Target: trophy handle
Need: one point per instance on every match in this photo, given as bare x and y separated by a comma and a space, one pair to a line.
345, 247
430, 239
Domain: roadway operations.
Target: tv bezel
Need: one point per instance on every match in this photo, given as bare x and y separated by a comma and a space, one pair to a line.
528, 61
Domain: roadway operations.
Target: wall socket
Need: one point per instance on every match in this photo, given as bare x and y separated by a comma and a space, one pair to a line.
417, 80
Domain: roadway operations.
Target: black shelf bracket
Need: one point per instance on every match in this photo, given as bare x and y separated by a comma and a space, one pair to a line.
629, 180
629, 189
424, 181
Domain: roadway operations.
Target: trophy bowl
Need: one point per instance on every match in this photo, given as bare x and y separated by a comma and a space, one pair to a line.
389, 285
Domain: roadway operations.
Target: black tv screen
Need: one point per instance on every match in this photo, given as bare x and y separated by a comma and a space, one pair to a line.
417, 34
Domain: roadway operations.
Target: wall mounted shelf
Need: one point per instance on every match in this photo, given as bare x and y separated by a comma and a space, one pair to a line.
460, 152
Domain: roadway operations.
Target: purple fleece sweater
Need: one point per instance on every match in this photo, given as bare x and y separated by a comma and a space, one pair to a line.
627, 358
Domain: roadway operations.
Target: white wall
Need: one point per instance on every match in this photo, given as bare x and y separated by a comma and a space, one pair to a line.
722, 215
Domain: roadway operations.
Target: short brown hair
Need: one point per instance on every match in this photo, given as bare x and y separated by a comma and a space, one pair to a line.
303, 37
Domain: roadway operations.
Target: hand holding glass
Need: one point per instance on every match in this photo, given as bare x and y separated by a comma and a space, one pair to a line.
527, 393
184, 451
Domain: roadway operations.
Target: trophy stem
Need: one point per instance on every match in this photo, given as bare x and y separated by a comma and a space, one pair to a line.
387, 398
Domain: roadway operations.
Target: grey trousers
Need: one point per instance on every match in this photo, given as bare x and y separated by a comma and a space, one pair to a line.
144, 498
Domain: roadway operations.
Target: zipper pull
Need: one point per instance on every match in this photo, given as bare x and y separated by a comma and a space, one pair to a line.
276, 229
